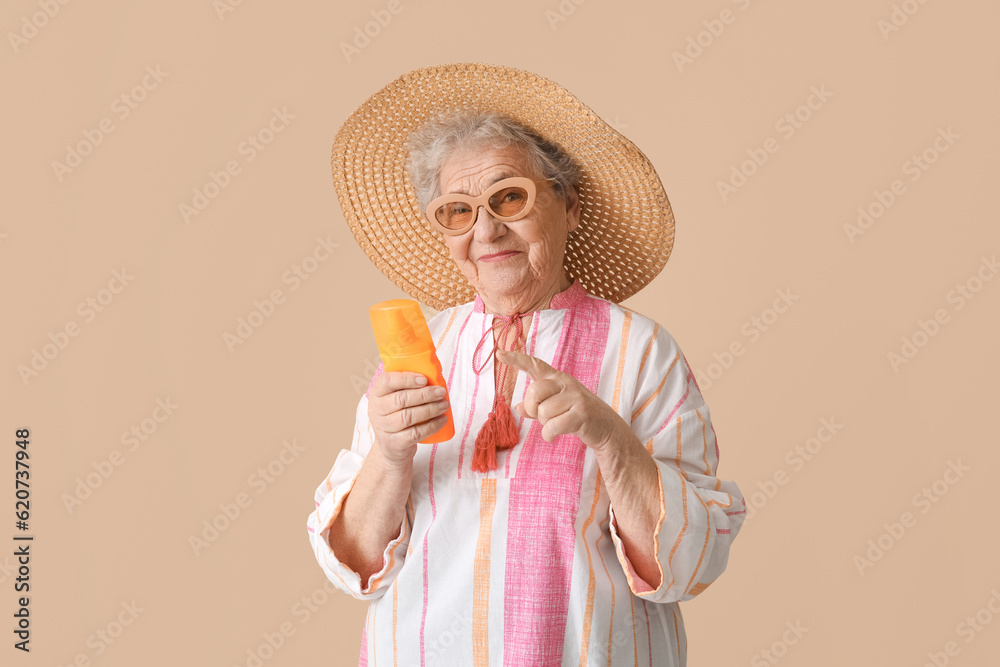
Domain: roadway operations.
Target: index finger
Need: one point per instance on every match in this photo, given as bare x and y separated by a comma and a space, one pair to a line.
533, 366
391, 381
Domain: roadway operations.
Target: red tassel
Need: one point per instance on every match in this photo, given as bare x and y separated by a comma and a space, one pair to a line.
499, 432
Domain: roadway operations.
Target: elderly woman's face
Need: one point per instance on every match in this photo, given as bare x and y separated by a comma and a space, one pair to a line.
515, 261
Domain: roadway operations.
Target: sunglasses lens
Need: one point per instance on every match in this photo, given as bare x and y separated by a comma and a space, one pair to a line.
509, 201
454, 215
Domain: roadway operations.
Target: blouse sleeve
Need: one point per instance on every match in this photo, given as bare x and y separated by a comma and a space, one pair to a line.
700, 514
329, 499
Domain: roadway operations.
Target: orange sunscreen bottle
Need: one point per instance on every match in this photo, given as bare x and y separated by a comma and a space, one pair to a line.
405, 344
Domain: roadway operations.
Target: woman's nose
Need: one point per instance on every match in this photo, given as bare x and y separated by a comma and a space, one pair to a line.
486, 227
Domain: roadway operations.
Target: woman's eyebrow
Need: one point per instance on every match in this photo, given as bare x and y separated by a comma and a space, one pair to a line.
499, 177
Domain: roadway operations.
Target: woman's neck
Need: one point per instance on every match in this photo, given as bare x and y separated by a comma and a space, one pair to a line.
513, 306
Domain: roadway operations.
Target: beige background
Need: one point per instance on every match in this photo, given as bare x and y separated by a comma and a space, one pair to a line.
299, 376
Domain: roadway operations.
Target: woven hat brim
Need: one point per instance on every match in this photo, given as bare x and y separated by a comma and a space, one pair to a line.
626, 229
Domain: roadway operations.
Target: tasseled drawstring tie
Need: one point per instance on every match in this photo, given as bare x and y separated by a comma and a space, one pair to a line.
499, 431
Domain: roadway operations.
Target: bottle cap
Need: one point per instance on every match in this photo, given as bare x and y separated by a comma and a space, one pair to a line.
400, 328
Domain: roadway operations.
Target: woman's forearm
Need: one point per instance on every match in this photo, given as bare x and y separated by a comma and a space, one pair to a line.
370, 515
632, 481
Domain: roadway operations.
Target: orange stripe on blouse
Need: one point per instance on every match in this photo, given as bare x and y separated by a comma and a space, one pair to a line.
588, 619
635, 642
603, 525
649, 346
708, 518
626, 325
395, 594
716, 502
611, 618
708, 533
444, 333
684, 495
704, 442
698, 588
653, 396
481, 573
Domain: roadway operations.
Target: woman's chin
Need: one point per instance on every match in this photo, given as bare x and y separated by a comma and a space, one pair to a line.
505, 282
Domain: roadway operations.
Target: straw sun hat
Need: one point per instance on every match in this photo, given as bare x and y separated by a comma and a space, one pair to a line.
626, 229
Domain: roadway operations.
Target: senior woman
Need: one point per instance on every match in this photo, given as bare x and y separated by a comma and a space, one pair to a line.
568, 531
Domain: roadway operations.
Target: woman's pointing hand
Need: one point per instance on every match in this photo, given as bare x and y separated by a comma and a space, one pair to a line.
562, 404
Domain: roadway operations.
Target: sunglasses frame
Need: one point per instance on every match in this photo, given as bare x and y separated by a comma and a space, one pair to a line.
474, 203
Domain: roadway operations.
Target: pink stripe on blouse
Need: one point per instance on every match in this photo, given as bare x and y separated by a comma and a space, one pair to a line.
540, 540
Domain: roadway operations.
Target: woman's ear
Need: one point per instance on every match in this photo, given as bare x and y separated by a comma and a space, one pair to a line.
572, 208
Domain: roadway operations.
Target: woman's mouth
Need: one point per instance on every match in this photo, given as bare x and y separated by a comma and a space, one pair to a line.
497, 257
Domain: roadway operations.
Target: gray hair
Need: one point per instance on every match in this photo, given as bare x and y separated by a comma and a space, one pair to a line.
432, 144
